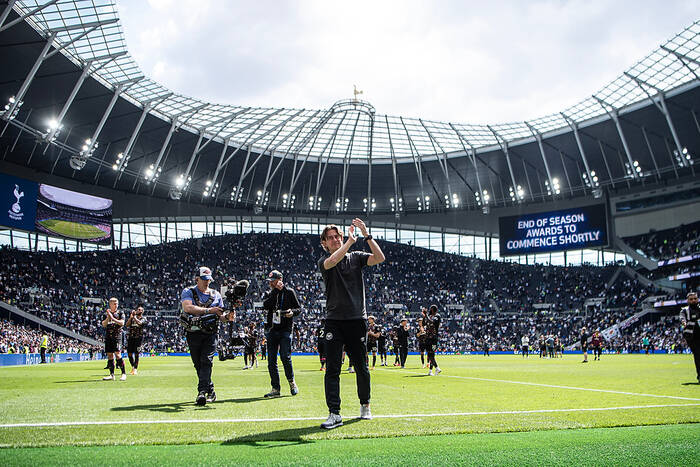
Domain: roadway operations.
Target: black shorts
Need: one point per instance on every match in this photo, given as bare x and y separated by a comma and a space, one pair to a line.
526, 348
372, 347
422, 346
431, 345
112, 345
381, 347
134, 345
321, 347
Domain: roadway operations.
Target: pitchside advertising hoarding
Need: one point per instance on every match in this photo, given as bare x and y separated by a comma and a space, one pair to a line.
54, 211
546, 232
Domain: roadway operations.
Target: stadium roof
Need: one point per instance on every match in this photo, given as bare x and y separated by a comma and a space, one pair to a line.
420, 156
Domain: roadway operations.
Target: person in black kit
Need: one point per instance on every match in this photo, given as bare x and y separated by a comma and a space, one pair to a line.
584, 344
431, 324
486, 344
690, 315
420, 337
113, 322
402, 333
597, 342
205, 307
321, 344
381, 344
251, 344
372, 338
282, 306
135, 325
394, 336
346, 315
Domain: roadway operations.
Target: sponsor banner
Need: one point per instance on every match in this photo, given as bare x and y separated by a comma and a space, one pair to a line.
13, 359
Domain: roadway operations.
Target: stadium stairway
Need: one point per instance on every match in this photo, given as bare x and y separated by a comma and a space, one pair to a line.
648, 263
663, 284
10, 309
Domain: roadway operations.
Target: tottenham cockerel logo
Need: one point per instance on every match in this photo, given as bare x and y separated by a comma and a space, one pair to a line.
15, 212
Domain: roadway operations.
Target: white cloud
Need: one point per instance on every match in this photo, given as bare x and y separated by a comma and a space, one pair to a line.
459, 61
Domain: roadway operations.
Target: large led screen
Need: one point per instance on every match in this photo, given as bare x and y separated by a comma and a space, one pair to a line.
545, 232
55, 211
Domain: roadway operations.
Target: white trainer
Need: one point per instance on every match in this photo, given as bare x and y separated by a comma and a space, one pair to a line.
108, 378
334, 421
365, 412
437, 371
122, 377
430, 373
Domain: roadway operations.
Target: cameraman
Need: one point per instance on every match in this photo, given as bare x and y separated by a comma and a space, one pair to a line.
206, 306
690, 315
282, 306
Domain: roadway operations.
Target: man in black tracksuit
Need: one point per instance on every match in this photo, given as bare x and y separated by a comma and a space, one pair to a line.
282, 306
346, 316
690, 320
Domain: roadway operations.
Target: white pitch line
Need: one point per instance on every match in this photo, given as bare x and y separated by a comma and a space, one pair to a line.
295, 419
611, 391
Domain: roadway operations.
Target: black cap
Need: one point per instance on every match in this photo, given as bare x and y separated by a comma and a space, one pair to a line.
274, 275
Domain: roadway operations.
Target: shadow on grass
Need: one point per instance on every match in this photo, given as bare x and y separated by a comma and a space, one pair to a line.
176, 407
281, 438
694, 383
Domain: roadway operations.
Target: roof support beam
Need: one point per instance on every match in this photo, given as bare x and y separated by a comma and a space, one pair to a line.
651, 152
504, 148
398, 205
612, 112
538, 137
417, 161
23, 17
663, 108
582, 152
471, 156
30, 77
320, 175
684, 59
58, 122
442, 159
346, 158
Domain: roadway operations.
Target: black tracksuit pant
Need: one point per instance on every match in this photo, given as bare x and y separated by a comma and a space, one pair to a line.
202, 348
351, 335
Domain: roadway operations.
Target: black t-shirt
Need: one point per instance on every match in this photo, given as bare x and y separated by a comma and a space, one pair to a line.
114, 330
276, 302
584, 338
402, 336
371, 340
345, 289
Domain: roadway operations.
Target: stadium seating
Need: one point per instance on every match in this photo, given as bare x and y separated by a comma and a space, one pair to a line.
498, 298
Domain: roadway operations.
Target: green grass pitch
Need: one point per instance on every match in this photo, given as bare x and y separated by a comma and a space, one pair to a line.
74, 230
624, 409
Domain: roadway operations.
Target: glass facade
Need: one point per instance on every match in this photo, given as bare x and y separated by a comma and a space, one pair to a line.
139, 234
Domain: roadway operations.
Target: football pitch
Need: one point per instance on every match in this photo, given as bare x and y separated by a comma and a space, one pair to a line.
70, 229
624, 409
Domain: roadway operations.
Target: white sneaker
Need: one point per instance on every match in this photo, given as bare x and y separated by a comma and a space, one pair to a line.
108, 378
246, 367
430, 373
334, 421
437, 371
365, 412
122, 377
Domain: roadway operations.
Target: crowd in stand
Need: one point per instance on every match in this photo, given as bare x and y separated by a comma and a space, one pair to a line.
17, 338
483, 303
666, 244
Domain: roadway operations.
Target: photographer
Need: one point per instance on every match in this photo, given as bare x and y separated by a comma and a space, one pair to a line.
203, 308
689, 320
135, 325
282, 306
